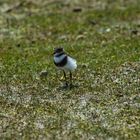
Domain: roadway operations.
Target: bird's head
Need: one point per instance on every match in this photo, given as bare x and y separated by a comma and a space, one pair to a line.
58, 50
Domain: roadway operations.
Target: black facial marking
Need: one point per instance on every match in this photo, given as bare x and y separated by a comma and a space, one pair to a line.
58, 50
59, 54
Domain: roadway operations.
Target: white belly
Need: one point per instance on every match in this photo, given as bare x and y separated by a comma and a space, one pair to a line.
71, 64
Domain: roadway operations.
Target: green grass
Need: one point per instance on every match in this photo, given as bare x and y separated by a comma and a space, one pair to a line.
102, 38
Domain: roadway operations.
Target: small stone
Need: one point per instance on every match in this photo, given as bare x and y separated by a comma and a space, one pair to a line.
134, 32
77, 9
18, 45
84, 65
80, 37
43, 73
108, 30
93, 22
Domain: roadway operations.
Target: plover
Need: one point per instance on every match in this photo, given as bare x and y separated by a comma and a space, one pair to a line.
65, 63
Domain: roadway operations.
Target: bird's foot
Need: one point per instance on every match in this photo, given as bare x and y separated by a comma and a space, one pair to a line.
72, 86
65, 85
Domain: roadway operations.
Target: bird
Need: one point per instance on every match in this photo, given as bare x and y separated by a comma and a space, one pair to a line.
65, 63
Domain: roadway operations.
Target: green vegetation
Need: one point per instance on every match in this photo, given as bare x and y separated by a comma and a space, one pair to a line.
103, 36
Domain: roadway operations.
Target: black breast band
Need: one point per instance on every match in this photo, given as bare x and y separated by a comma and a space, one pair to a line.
62, 63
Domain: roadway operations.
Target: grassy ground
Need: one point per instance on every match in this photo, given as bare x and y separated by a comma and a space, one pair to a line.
104, 37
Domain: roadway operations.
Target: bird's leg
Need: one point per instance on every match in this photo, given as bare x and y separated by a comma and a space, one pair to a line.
70, 79
66, 84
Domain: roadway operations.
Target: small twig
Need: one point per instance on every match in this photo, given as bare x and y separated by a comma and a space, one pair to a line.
2, 115
12, 7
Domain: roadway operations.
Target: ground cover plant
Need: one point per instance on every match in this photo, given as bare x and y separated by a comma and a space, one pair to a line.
103, 36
